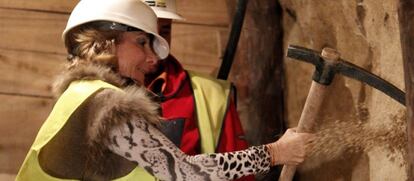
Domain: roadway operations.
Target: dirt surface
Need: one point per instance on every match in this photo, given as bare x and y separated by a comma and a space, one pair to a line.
362, 128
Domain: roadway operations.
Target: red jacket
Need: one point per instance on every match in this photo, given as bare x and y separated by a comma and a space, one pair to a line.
177, 103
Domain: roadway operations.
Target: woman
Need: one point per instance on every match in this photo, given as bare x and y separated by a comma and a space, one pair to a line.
104, 125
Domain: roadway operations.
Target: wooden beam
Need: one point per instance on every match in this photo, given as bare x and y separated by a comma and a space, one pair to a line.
258, 71
258, 74
57, 6
198, 45
211, 12
32, 31
406, 16
20, 121
28, 73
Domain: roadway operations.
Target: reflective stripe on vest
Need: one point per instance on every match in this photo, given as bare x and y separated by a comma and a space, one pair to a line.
211, 101
65, 106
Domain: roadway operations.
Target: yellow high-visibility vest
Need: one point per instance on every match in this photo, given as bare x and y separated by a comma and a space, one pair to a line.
68, 102
211, 98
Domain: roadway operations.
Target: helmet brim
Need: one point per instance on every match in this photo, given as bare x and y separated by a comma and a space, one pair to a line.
167, 15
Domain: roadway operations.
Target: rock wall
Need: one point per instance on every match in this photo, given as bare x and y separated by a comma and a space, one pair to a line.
366, 33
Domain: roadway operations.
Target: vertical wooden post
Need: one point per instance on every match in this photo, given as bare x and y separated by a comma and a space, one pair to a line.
258, 73
257, 70
406, 18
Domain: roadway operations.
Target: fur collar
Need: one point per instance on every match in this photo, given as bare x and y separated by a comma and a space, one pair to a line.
86, 72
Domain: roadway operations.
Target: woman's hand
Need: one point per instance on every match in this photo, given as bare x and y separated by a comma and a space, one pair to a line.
290, 149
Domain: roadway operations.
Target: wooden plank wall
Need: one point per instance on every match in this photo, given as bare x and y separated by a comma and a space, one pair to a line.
199, 41
31, 54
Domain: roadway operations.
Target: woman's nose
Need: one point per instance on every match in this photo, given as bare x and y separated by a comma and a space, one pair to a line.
151, 57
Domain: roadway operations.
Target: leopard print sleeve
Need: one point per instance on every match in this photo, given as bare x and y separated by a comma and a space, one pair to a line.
145, 145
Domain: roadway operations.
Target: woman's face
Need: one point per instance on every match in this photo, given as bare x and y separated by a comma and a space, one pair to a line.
135, 55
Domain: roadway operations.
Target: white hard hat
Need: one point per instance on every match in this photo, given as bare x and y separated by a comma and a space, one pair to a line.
133, 13
164, 9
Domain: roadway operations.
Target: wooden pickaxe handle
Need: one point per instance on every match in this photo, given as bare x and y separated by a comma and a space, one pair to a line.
310, 111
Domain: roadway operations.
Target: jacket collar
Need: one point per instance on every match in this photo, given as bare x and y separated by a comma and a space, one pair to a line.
90, 71
169, 79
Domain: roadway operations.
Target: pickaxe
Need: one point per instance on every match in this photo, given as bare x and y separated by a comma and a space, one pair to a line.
327, 64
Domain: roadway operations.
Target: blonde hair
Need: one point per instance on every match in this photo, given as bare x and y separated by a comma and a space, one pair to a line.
90, 45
